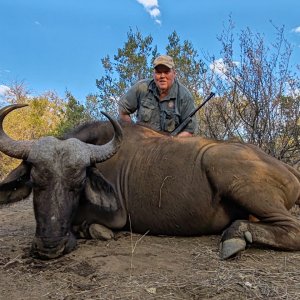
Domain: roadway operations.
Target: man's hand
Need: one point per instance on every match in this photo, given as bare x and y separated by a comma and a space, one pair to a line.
184, 134
124, 116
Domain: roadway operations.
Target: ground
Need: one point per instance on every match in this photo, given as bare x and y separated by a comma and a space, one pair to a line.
139, 267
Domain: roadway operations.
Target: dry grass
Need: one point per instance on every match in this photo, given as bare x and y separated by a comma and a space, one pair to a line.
140, 267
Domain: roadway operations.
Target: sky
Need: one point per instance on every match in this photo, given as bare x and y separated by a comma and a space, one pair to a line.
55, 45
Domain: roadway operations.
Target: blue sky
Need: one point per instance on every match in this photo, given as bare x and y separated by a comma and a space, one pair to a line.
58, 45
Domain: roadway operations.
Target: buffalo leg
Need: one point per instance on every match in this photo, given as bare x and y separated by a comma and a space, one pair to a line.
277, 228
93, 231
100, 232
276, 235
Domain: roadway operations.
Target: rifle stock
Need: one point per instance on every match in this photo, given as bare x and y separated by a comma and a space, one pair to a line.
183, 124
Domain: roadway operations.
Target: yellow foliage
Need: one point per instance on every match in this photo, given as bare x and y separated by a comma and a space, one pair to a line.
40, 118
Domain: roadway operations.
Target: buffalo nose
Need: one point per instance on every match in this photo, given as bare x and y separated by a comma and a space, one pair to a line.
49, 248
49, 242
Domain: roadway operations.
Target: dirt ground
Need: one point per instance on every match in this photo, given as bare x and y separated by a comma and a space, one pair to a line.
139, 267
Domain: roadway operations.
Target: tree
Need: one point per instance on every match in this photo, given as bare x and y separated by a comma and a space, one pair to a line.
130, 64
17, 92
189, 68
258, 92
40, 118
73, 113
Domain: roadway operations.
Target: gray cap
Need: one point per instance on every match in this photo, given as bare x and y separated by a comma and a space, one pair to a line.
165, 60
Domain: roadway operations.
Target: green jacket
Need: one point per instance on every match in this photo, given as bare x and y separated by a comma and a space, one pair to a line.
164, 115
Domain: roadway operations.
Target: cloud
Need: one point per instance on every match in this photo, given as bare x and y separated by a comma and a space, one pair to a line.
218, 67
151, 7
4, 90
4, 71
297, 29
37, 23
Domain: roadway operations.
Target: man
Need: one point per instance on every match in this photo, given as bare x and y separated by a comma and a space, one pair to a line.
162, 103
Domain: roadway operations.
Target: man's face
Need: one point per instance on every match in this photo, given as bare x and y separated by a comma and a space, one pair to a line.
164, 77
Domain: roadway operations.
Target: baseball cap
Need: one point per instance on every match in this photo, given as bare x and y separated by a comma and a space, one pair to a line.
165, 60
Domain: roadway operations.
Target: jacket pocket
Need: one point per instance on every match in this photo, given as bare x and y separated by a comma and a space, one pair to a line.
171, 121
146, 111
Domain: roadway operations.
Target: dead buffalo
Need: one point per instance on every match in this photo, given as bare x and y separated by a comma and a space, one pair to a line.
152, 182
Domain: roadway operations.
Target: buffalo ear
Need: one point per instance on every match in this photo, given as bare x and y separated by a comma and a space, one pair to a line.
14, 188
100, 192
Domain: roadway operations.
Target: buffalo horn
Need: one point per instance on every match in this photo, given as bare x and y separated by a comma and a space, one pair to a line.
12, 148
100, 153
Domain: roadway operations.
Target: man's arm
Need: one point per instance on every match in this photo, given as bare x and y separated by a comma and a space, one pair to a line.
124, 116
128, 103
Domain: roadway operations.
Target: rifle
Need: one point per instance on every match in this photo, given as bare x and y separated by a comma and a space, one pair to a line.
182, 125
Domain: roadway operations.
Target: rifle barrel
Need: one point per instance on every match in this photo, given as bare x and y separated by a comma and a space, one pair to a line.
183, 124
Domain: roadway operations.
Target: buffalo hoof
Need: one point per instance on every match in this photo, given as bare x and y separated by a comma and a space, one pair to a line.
248, 236
100, 232
231, 247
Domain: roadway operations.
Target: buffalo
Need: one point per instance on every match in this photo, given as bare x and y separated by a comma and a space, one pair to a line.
105, 176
